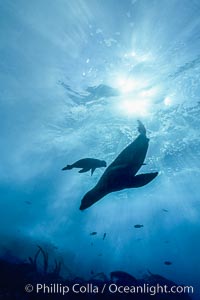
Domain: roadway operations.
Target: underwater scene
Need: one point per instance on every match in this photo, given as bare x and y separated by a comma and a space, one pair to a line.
100, 149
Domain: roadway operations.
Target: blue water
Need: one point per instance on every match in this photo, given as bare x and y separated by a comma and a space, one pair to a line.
75, 76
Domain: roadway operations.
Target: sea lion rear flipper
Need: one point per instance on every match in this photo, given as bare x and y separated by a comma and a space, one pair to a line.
84, 170
92, 171
142, 179
141, 128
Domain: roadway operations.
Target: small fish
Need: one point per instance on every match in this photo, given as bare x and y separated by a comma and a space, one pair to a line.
168, 263
138, 226
104, 236
165, 210
28, 202
99, 254
93, 233
92, 272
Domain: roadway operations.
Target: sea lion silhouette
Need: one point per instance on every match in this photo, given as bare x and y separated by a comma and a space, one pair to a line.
86, 164
120, 174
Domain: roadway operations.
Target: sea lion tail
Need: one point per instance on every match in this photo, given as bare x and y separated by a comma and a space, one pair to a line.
68, 167
141, 128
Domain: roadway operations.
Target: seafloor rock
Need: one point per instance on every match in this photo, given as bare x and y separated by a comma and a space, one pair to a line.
25, 281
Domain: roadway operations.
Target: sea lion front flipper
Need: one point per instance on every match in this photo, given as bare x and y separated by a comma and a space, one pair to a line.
142, 179
84, 170
92, 170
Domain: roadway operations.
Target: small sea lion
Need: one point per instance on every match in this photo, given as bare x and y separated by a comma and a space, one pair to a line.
121, 173
86, 164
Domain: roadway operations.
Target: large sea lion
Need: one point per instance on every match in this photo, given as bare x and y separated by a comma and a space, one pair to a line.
120, 174
86, 164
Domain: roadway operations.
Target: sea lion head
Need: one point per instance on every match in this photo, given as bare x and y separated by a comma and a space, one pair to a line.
90, 198
103, 163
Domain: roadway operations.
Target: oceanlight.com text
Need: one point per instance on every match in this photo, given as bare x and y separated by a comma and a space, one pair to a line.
112, 288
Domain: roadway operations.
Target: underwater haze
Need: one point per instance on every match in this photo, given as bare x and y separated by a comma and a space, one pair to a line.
75, 77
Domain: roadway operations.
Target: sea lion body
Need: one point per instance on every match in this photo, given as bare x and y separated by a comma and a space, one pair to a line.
120, 174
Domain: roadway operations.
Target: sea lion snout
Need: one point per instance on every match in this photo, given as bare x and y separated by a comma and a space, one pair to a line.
87, 200
104, 164
91, 197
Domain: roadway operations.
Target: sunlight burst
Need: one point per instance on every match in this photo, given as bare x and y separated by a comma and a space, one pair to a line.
127, 85
138, 107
